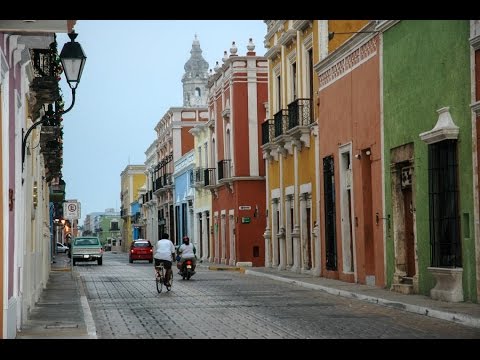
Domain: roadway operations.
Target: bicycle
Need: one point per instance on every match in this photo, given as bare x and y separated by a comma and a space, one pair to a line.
160, 278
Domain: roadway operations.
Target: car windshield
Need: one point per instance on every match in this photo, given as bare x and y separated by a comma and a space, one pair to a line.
141, 244
92, 241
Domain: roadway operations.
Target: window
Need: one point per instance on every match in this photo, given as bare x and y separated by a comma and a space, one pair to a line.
310, 73
294, 81
443, 196
114, 226
279, 93
330, 234
198, 92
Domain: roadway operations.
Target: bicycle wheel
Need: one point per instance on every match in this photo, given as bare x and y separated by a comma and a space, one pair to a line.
170, 281
159, 280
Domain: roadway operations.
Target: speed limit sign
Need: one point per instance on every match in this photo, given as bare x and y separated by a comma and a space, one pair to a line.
71, 209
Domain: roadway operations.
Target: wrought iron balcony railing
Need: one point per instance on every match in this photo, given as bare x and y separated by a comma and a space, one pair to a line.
281, 122
299, 113
268, 131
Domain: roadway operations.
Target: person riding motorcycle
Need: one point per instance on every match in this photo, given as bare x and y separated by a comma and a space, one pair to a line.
187, 251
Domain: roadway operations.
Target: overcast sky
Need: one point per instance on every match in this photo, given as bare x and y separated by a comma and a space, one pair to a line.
131, 78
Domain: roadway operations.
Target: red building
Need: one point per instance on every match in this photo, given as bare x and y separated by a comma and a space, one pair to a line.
237, 95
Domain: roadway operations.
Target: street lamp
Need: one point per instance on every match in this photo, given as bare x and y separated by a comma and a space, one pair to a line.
73, 61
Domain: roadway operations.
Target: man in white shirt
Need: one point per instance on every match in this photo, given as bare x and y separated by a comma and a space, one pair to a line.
187, 251
165, 253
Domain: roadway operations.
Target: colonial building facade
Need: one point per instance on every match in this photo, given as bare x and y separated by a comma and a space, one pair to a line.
174, 139
132, 179
237, 94
202, 199
427, 117
350, 156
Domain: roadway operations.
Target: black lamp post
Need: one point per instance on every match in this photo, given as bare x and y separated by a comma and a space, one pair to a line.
73, 61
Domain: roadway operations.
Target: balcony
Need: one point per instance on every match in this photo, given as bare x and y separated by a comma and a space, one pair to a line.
280, 120
268, 131
210, 178
300, 113
157, 184
46, 73
198, 177
224, 169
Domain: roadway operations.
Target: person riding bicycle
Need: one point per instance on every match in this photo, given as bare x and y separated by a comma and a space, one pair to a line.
187, 251
165, 253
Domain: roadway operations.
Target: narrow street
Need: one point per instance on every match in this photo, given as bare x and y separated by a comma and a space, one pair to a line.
228, 305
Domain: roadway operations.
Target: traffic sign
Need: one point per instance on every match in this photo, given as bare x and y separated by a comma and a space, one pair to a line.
71, 209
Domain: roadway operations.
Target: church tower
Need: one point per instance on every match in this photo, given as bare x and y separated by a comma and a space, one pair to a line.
195, 78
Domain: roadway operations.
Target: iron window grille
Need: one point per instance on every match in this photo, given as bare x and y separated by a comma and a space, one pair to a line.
445, 242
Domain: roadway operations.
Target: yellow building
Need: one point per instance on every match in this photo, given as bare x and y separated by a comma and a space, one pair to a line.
203, 196
132, 179
290, 141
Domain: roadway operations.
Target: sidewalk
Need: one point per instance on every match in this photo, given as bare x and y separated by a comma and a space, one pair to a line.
62, 311
464, 313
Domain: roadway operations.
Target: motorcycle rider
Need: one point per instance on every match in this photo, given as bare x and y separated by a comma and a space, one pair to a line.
165, 252
187, 251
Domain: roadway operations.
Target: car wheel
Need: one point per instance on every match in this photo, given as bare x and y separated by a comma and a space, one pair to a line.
100, 261
150, 261
130, 260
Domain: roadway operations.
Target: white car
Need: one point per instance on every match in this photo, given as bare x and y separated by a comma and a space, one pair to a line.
62, 248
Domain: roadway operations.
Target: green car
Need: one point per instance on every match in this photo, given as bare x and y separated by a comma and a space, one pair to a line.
87, 248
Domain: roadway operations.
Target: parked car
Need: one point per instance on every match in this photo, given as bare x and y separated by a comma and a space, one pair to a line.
141, 249
62, 248
87, 248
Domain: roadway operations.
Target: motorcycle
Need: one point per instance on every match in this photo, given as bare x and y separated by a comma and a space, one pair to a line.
186, 269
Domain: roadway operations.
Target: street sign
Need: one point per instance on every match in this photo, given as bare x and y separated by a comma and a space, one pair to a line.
246, 220
71, 209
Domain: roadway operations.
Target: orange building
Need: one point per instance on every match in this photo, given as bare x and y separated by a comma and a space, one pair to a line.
351, 161
237, 95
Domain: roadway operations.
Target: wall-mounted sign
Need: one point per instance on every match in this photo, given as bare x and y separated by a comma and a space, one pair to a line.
244, 207
246, 220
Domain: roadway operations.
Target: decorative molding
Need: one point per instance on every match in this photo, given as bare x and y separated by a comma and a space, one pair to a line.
287, 37
290, 190
476, 107
306, 188
301, 25
273, 52
276, 70
334, 67
272, 27
3, 67
292, 56
308, 42
383, 25
275, 193
475, 42
18, 99
444, 129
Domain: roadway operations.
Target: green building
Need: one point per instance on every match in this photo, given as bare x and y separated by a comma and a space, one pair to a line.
428, 158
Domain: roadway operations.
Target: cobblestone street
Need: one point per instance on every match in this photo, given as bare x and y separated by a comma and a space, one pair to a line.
228, 305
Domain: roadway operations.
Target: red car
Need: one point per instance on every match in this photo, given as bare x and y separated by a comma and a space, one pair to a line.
141, 249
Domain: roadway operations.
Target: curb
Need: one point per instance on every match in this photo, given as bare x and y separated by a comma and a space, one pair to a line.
421, 310
87, 314
225, 268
